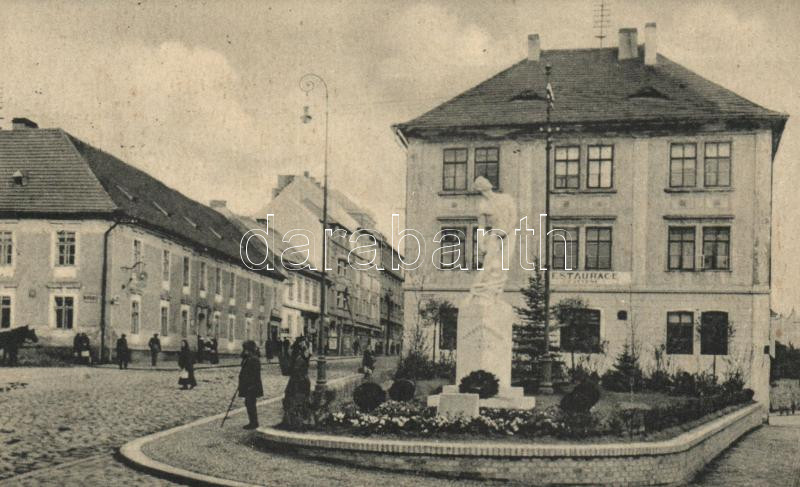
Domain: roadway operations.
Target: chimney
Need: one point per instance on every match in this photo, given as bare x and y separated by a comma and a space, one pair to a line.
306, 174
628, 47
650, 44
218, 203
283, 181
534, 47
21, 123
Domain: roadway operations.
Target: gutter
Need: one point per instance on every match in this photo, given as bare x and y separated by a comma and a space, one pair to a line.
399, 137
103, 290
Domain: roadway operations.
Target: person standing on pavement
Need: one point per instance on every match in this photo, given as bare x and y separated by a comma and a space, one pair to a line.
155, 346
186, 363
200, 349
250, 387
123, 354
368, 362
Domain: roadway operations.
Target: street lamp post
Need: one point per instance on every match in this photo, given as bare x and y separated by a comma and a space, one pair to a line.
307, 83
546, 386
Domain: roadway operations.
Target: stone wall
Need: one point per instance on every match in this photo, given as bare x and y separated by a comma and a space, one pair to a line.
670, 462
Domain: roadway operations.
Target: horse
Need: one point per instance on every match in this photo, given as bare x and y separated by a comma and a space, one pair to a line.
11, 340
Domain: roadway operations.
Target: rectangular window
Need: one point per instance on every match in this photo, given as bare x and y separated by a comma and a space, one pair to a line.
203, 276
249, 291
307, 291
164, 320
5, 311
340, 301
184, 323
477, 260
681, 248
65, 312
487, 164
583, 335
682, 165
137, 251
598, 248
135, 317
219, 331
231, 327
454, 172
290, 289
6, 248
66, 248
165, 259
261, 293
453, 248
717, 163
567, 168
218, 281
316, 294
716, 248
714, 332
185, 277
680, 332
601, 167
232, 288
562, 261
448, 331
341, 267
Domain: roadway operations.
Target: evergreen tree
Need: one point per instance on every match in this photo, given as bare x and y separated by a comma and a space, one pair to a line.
529, 333
626, 374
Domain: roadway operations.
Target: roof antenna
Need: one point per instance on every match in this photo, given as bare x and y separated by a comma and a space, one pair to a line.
602, 19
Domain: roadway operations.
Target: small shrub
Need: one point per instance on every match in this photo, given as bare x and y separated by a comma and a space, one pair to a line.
581, 399
583, 374
402, 390
369, 396
626, 374
416, 366
659, 381
480, 382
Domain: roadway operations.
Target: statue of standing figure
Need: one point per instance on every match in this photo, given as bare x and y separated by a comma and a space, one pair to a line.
498, 217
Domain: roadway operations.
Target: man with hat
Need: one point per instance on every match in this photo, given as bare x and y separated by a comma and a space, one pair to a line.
250, 387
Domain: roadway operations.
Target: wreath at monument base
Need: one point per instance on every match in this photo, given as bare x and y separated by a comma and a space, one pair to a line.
480, 382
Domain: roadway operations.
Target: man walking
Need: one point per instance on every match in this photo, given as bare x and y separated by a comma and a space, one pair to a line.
250, 387
155, 347
123, 354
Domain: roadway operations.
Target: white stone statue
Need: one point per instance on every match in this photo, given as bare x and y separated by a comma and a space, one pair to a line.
498, 217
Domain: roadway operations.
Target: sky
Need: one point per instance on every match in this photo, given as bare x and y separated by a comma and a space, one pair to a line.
205, 96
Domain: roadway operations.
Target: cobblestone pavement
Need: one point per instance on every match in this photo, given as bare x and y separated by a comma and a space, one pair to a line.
52, 416
769, 456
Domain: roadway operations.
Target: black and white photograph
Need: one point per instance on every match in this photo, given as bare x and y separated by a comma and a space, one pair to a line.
406, 243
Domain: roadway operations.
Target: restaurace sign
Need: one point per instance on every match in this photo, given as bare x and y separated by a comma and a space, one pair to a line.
591, 278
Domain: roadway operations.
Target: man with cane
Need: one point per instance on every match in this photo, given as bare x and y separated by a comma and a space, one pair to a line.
250, 387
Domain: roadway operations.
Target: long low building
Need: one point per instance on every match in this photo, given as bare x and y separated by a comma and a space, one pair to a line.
92, 245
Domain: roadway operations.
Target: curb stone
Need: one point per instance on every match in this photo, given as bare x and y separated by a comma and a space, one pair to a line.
132, 455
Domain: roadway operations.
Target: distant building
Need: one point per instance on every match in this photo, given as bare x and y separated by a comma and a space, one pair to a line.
91, 244
353, 294
786, 328
661, 182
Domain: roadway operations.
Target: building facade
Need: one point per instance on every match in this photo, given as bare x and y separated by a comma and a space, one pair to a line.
660, 195
93, 245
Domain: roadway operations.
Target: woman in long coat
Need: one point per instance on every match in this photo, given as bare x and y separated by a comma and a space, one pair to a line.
186, 363
298, 389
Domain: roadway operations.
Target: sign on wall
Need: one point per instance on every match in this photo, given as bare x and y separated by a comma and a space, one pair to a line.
590, 278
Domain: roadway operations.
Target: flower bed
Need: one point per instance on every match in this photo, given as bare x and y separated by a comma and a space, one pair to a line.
416, 420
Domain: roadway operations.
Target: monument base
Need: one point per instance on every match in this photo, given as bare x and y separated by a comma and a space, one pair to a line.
452, 402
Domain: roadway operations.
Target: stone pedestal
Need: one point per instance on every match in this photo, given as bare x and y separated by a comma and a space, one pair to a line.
485, 341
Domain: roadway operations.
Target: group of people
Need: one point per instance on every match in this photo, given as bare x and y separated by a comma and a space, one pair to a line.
82, 349
207, 349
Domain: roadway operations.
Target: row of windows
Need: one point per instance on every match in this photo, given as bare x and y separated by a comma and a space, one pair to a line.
597, 250
302, 290
599, 166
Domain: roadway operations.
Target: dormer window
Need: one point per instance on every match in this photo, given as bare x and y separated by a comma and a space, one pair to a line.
190, 222
648, 92
19, 179
216, 234
161, 209
125, 192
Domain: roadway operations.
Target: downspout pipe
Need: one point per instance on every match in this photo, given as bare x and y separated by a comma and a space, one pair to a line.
104, 291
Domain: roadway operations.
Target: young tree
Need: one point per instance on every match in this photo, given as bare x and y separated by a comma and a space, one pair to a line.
715, 333
434, 311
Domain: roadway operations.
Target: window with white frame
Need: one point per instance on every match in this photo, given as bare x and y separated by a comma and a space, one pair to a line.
681, 248
717, 165
683, 165
232, 327
6, 249
716, 248
135, 316
184, 323
249, 291
164, 319
453, 248
137, 251
185, 273
203, 276
564, 244
65, 248
600, 171
598, 248
232, 288
165, 260
218, 281
5, 311
454, 170
567, 167
487, 164
64, 312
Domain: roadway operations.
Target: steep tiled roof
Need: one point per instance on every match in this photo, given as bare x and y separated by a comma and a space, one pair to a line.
591, 86
66, 176
56, 177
